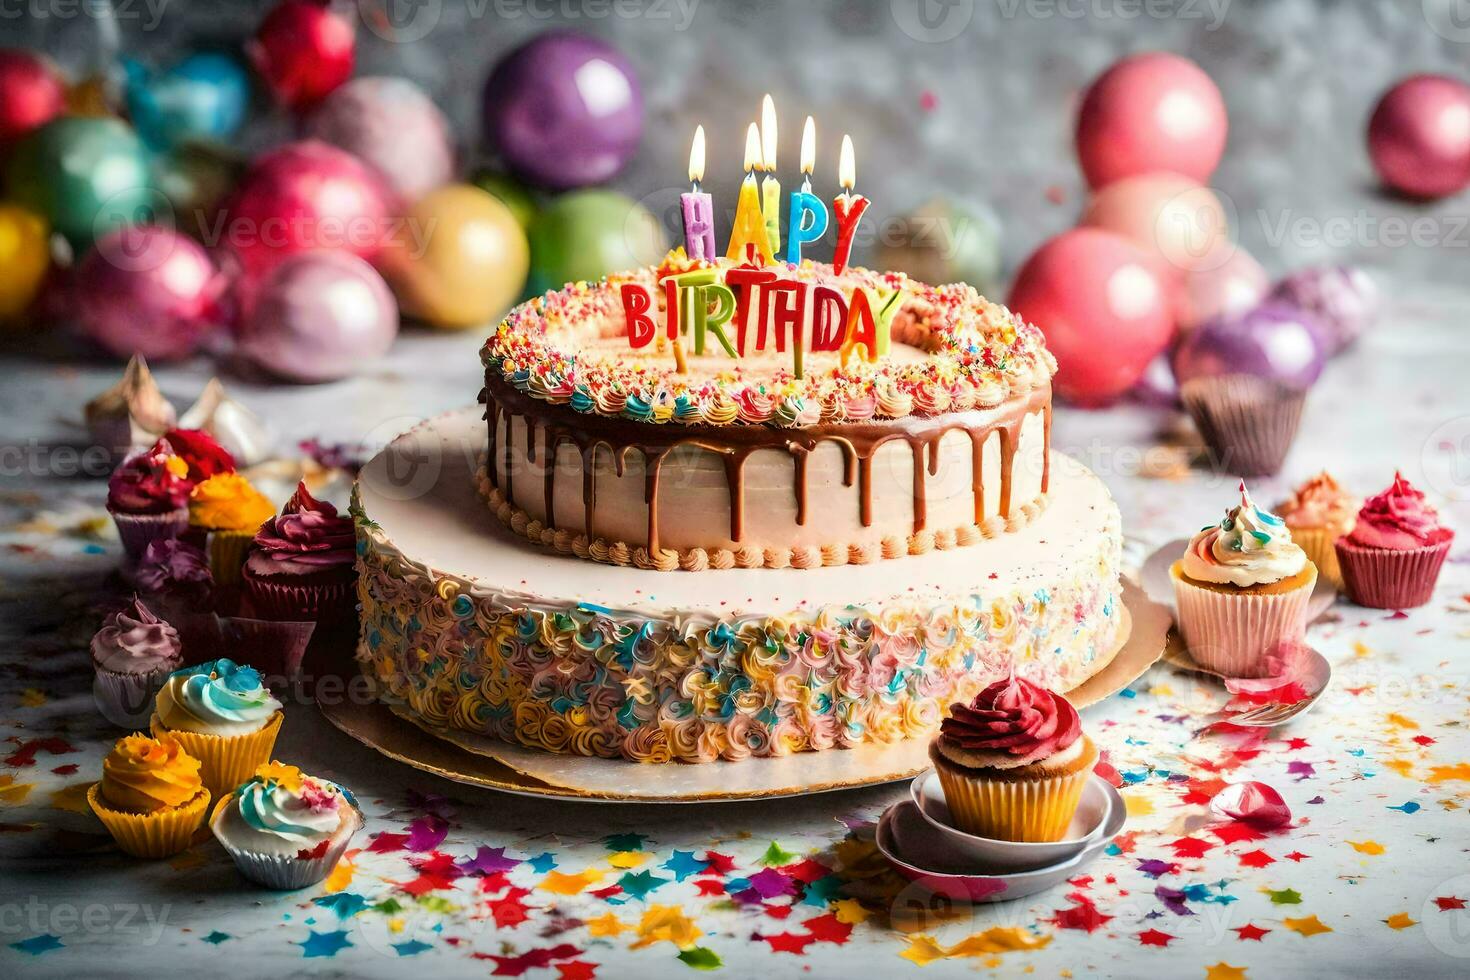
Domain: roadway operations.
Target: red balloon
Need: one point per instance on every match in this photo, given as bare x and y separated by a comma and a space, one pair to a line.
1104, 307
303, 50
1419, 136
31, 93
1151, 111
305, 197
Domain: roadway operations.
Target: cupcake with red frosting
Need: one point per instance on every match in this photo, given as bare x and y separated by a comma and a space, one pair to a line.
300, 565
1013, 762
148, 498
133, 654
1392, 558
1319, 512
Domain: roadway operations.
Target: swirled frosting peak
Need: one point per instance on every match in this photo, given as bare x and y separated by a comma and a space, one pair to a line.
134, 641
1250, 546
282, 801
308, 536
216, 698
1399, 518
204, 456
152, 482
1013, 719
142, 774
1320, 503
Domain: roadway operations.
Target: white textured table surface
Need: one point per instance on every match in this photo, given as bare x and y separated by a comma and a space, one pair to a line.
1378, 776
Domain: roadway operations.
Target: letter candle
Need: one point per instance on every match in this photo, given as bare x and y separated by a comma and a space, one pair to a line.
808, 213
849, 206
698, 207
750, 225
770, 185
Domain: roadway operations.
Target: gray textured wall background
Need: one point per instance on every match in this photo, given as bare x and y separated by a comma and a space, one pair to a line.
1299, 77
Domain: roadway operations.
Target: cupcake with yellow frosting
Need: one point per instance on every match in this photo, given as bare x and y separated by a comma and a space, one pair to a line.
286, 829
151, 798
1318, 513
230, 511
223, 715
1242, 589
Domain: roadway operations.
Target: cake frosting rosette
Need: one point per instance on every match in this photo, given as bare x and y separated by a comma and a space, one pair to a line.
1393, 555
286, 829
301, 563
151, 798
1013, 762
1241, 590
148, 498
230, 511
205, 457
1319, 512
223, 715
133, 654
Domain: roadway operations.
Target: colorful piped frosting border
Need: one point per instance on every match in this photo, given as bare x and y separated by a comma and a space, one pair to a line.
979, 354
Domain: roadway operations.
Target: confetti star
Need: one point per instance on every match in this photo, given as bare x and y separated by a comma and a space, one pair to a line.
625, 842
1400, 920
1371, 847
1286, 896
542, 863
605, 925
560, 883
1154, 937
1250, 931
700, 958
776, 856
1297, 856
576, 970
344, 904
683, 864
1191, 847
411, 948
789, 942
1224, 971
488, 860
36, 945
1449, 903
1310, 926
216, 937
325, 943
640, 884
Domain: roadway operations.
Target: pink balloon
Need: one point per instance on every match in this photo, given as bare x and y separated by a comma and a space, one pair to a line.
147, 290
1104, 306
1171, 217
1227, 283
1419, 136
319, 317
391, 124
1151, 111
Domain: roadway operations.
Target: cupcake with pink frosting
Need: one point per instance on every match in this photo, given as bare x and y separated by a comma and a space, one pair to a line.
133, 654
1319, 512
1392, 558
1013, 762
148, 498
301, 563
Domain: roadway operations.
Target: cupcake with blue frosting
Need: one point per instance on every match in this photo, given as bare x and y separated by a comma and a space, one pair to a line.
286, 829
223, 715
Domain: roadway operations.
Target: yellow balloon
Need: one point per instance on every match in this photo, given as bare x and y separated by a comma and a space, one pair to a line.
457, 259
25, 255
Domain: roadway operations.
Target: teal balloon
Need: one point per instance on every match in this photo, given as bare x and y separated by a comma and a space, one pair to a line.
87, 176
510, 192
201, 99
585, 235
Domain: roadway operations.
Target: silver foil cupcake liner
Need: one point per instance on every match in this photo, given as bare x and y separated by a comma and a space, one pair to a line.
288, 872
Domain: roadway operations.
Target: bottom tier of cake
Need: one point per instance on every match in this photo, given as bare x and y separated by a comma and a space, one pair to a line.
470, 627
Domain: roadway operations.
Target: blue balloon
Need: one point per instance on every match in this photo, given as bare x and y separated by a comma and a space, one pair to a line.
201, 99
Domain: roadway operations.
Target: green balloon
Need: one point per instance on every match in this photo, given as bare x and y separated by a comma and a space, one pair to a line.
86, 175
948, 240
588, 234
510, 192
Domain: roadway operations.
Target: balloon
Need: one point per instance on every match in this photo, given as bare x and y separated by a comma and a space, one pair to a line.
393, 125
458, 258
587, 234
1344, 299
510, 192
31, 93
86, 176
1149, 112
1272, 341
147, 290
1104, 307
303, 49
563, 110
196, 179
202, 98
948, 241
1167, 215
306, 196
1226, 285
25, 255
319, 317
1419, 136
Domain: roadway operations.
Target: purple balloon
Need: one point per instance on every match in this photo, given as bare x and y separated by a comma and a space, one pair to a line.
1344, 299
1157, 386
319, 317
563, 110
147, 290
1274, 340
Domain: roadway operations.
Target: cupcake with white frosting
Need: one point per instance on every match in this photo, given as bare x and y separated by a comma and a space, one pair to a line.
1242, 589
286, 829
223, 716
133, 654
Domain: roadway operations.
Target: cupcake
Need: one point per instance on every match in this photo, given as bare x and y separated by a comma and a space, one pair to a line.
204, 456
1392, 557
230, 511
1013, 762
222, 714
133, 654
286, 829
176, 571
148, 498
301, 563
1247, 422
1318, 513
1241, 590
150, 798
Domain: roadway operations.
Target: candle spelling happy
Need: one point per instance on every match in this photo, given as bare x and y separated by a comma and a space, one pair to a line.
848, 206
698, 207
808, 213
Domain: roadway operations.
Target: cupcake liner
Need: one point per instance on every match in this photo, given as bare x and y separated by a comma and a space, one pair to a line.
126, 700
284, 597
160, 834
1388, 578
287, 872
138, 531
1022, 810
1240, 633
1320, 545
225, 761
1247, 422
227, 551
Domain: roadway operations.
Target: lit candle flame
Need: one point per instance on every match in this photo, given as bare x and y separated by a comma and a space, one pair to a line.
846, 167
696, 156
809, 146
768, 134
752, 149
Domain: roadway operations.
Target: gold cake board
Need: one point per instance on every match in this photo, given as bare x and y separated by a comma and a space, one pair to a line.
493, 764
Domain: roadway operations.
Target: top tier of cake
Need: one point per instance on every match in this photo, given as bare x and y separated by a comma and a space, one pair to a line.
748, 461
